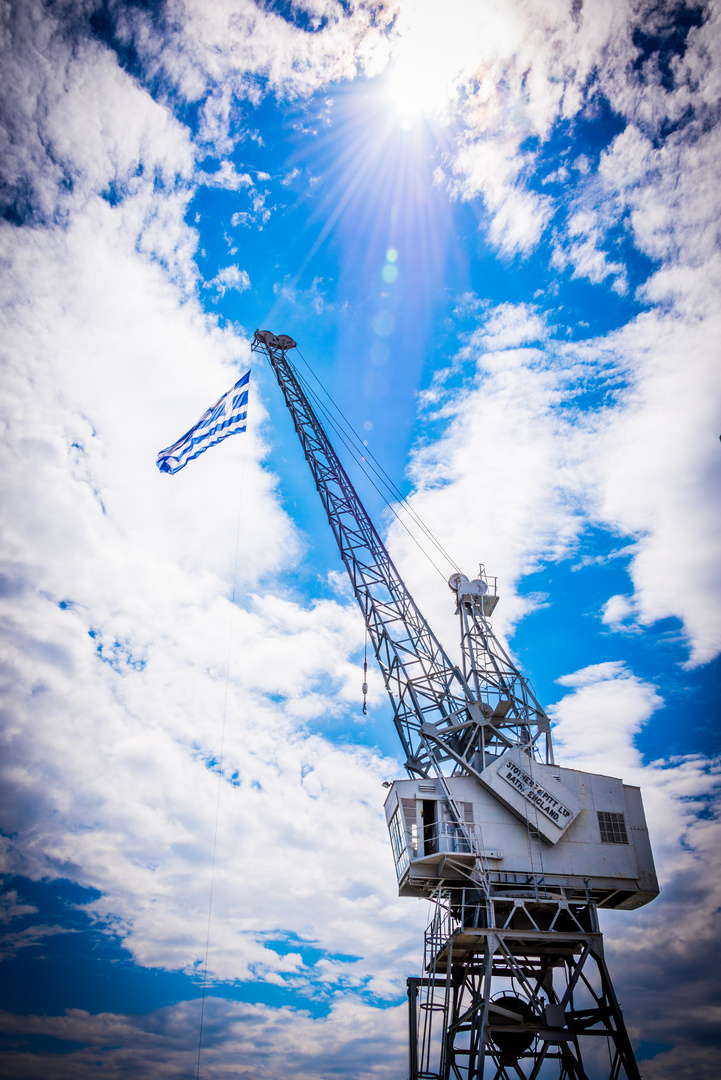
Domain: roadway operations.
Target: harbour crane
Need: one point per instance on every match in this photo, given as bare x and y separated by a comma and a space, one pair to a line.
515, 852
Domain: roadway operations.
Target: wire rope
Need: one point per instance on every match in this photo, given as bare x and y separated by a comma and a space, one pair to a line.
373, 462
348, 435
359, 461
220, 763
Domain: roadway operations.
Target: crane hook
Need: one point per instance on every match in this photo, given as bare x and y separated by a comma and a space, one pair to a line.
364, 687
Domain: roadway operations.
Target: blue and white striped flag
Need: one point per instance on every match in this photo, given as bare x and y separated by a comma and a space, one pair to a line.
224, 418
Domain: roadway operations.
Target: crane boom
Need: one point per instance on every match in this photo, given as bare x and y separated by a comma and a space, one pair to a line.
426, 689
448, 718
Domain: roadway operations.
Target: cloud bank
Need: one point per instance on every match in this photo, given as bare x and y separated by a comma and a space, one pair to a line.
118, 624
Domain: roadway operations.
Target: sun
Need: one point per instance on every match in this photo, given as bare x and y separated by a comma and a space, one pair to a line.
413, 89
411, 95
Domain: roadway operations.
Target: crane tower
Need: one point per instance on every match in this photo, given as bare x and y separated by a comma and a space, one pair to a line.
515, 852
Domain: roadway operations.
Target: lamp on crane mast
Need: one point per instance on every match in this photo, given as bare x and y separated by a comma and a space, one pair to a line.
515, 852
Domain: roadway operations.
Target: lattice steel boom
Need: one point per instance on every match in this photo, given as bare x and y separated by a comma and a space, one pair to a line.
446, 717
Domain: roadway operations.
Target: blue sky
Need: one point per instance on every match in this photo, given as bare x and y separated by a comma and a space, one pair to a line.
493, 231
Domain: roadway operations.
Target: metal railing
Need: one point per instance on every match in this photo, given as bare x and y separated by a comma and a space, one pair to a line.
443, 837
440, 838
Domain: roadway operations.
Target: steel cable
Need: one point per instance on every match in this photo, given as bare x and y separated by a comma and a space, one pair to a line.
360, 454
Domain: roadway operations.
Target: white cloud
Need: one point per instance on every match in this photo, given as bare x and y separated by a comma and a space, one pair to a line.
259, 213
116, 616
593, 674
14, 942
230, 277
657, 471
10, 908
616, 611
508, 326
647, 469
518, 73
116, 612
227, 52
226, 176
508, 464
511, 71
584, 252
354, 1040
117, 729
493, 167
527, 471
75, 125
598, 721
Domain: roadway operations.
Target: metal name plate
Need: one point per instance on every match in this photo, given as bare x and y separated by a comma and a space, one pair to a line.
532, 792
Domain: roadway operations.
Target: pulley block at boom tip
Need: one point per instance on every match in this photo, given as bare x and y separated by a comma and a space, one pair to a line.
276, 341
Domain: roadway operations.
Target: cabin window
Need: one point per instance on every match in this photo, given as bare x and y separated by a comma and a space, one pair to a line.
409, 816
613, 828
398, 843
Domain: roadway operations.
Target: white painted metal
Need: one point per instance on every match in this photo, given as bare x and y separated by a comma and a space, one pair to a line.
577, 866
533, 791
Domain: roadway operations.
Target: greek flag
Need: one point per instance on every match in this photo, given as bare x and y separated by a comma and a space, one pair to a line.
224, 418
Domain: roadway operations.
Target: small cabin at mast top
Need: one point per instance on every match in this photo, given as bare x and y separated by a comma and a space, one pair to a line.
580, 834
